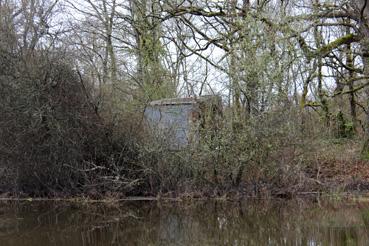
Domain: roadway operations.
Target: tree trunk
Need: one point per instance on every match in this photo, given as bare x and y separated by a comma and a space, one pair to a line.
364, 42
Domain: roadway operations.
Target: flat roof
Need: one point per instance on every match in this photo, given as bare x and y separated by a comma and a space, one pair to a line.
173, 101
181, 101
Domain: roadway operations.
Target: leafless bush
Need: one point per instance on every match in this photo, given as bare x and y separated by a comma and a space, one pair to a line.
266, 150
50, 133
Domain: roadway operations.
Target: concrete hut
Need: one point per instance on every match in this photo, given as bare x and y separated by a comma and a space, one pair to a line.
179, 120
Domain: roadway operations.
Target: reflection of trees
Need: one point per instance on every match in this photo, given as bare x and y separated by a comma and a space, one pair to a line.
200, 223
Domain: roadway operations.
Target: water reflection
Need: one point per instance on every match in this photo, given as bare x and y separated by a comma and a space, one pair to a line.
198, 223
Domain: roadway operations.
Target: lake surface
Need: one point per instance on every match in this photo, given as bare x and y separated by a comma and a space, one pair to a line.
298, 222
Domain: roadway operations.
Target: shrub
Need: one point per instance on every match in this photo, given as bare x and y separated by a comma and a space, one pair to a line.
263, 150
51, 136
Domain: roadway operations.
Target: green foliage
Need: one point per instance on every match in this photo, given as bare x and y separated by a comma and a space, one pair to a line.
365, 150
345, 129
349, 129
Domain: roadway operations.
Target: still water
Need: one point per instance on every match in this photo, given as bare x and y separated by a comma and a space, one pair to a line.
298, 222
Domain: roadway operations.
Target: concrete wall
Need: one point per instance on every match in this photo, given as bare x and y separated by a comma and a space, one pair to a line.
171, 122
